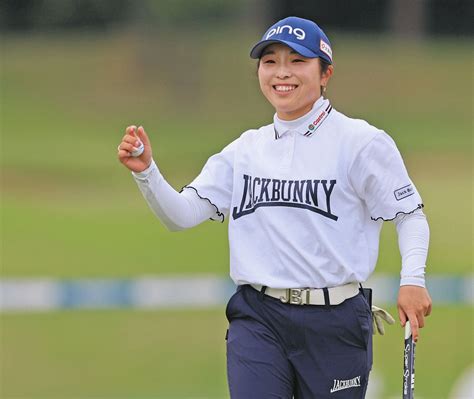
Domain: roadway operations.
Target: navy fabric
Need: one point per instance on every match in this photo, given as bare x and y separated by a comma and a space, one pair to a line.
278, 350
302, 35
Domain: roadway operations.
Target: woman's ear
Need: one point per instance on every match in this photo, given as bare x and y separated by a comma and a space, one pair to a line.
325, 76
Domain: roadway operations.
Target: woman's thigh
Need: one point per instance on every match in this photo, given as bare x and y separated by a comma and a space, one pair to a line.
257, 367
336, 358
277, 350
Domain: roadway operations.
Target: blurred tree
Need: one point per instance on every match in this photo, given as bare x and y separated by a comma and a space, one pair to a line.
360, 15
18, 14
403, 17
25, 15
408, 17
451, 17
411, 17
192, 13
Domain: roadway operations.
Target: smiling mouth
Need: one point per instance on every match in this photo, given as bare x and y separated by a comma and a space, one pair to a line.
284, 88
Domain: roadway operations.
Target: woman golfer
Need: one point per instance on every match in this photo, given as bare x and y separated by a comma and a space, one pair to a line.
305, 197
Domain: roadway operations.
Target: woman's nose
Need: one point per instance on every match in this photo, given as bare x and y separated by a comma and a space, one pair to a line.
283, 72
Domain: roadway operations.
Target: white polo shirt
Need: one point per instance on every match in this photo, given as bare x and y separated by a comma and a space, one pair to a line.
306, 199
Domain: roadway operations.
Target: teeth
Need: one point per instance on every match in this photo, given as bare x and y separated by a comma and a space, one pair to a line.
285, 88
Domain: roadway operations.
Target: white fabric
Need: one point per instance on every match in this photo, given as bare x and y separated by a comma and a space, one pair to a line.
301, 123
306, 124
413, 241
312, 296
378, 175
306, 200
321, 236
186, 209
176, 211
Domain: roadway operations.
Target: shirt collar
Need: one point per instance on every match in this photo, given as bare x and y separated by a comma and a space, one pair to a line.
305, 125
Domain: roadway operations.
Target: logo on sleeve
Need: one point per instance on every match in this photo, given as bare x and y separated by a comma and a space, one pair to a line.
404, 192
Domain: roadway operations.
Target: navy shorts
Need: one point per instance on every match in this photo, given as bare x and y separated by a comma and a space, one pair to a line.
278, 350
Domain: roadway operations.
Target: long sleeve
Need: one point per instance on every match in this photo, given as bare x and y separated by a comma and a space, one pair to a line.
413, 241
177, 211
381, 179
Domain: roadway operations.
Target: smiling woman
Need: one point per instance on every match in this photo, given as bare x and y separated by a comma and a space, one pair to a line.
306, 197
291, 82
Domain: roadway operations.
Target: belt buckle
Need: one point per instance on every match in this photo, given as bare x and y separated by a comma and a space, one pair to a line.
294, 296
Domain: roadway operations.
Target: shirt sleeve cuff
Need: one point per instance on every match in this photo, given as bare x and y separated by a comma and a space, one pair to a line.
413, 280
145, 173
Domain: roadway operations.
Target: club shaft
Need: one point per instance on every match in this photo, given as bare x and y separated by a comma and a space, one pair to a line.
408, 364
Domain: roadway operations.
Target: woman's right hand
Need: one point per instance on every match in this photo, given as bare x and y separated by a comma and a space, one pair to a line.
130, 142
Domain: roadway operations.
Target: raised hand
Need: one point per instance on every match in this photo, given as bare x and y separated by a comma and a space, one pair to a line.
130, 142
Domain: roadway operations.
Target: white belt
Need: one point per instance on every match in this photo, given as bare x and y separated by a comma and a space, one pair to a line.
312, 296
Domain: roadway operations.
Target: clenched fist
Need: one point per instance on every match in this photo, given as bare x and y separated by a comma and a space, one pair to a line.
130, 143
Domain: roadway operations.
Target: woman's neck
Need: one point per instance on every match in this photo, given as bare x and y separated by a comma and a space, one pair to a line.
291, 116
300, 117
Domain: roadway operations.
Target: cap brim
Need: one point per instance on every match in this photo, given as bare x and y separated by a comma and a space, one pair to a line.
256, 51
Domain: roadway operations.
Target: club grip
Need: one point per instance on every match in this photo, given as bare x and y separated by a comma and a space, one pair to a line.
408, 364
407, 330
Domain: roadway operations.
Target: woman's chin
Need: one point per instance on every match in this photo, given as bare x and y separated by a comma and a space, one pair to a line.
288, 113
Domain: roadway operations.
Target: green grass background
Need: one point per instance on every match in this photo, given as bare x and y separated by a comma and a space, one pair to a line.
70, 210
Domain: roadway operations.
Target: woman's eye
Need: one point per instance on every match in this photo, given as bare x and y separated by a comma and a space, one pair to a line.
268, 62
298, 60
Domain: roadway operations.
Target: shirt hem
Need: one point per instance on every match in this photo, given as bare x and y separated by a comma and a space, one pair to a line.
413, 280
419, 206
219, 213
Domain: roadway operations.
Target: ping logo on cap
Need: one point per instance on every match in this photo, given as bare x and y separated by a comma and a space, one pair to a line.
298, 32
325, 48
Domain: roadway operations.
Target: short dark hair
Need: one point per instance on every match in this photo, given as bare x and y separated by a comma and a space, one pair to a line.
324, 65
324, 68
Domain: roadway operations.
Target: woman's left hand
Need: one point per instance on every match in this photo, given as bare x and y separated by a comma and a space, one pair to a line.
414, 303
